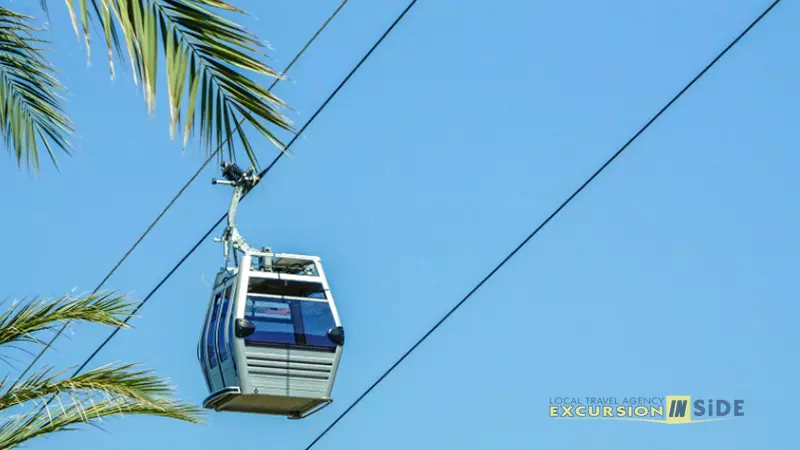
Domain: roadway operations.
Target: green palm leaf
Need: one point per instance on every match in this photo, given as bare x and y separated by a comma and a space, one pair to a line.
112, 390
86, 398
21, 324
31, 113
210, 63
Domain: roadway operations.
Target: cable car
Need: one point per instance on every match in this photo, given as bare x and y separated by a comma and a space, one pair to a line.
272, 338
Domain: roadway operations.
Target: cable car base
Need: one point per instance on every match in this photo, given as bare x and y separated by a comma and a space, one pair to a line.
231, 399
272, 338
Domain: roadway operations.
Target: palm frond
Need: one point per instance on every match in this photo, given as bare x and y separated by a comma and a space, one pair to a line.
21, 324
31, 111
119, 380
206, 58
87, 398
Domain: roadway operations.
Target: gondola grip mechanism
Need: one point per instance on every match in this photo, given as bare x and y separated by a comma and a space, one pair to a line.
242, 182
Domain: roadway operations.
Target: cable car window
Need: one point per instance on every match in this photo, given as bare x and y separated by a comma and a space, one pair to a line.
293, 288
224, 315
204, 345
232, 331
202, 348
272, 319
317, 320
201, 354
211, 346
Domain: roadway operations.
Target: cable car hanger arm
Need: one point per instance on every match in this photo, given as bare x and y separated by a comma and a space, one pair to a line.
242, 182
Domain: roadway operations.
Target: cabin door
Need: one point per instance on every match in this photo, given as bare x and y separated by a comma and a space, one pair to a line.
225, 336
209, 340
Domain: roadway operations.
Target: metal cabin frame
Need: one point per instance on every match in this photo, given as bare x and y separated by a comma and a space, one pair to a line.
292, 380
276, 374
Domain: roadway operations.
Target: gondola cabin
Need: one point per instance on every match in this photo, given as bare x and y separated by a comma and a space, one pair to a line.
272, 339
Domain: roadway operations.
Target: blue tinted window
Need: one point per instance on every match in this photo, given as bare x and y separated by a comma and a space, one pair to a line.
283, 321
202, 347
272, 319
317, 320
212, 326
201, 354
232, 332
223, 349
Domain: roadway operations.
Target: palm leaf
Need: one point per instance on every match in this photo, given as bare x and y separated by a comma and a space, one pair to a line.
87, 398
119, 380
22, 323
210, 63
31, 112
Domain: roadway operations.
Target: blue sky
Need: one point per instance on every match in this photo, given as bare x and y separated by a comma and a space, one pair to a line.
671, 274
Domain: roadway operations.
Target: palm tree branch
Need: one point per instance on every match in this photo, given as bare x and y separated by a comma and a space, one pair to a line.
62, 402
31, 110
116, 380
209, 67
23, 323
88, 409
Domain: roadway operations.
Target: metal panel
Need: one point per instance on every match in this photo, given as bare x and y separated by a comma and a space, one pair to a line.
239, 307
310, 383
289, 372
260, 381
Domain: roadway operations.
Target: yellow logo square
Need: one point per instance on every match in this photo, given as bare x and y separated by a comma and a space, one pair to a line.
679, 409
